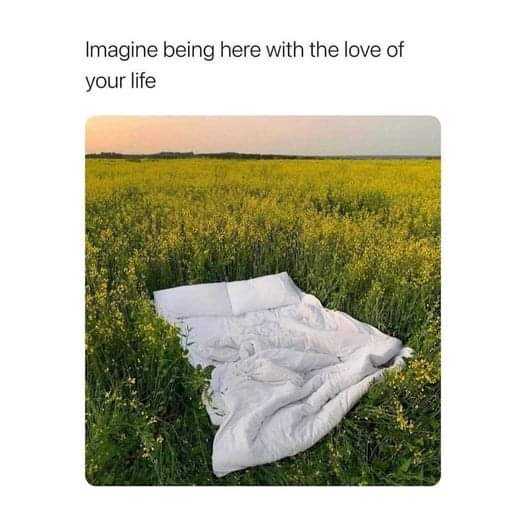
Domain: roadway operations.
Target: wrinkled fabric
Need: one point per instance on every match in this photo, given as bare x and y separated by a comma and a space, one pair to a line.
283, 377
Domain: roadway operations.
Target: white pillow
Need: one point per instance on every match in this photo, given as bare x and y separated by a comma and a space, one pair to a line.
266, 292
209, 299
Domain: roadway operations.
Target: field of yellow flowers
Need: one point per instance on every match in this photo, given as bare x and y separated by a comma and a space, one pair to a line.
362, 235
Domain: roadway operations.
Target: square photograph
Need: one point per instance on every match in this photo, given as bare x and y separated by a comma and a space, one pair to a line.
262, 301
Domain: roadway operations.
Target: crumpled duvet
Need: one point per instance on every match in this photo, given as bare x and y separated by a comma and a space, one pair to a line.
283, 377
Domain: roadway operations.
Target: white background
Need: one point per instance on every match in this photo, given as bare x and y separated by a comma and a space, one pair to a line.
464, 66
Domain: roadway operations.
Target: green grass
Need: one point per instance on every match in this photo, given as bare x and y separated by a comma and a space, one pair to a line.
363, 236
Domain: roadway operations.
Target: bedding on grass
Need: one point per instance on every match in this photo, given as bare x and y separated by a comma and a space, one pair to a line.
286, 370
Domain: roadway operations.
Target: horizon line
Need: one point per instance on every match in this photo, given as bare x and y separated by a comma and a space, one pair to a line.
180, 154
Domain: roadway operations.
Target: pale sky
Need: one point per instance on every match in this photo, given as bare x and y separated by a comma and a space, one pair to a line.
266, 135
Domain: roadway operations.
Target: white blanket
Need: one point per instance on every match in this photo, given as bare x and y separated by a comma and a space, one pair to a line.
283, 376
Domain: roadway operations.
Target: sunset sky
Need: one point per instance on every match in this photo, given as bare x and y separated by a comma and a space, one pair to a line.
278, 135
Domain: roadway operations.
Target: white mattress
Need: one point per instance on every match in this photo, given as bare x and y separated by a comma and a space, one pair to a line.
284, 375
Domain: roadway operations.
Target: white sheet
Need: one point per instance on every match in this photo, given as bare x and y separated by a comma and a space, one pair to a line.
283, 377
